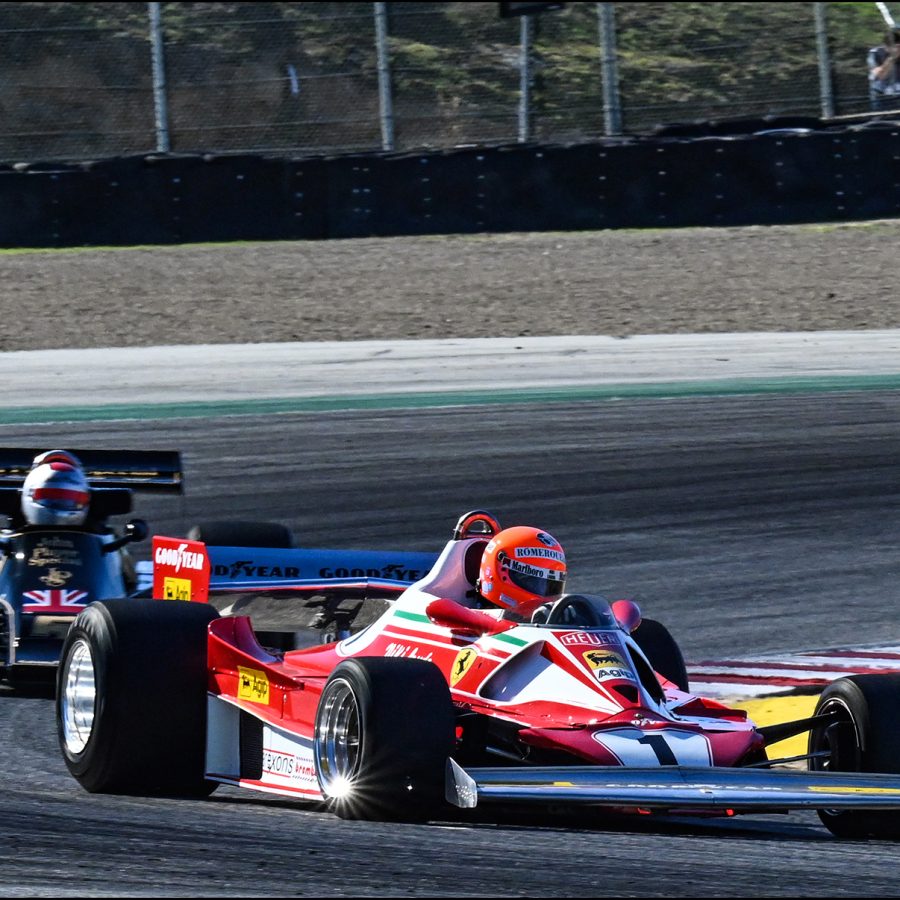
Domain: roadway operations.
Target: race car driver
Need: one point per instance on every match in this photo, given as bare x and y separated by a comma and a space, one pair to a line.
55, 491
522, 568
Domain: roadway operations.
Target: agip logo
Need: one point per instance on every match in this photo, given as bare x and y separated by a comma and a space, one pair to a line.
606, 664
253, 685
604, 659
176, 589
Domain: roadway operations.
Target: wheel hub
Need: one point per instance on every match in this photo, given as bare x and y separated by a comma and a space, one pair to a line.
79, 697
337, 744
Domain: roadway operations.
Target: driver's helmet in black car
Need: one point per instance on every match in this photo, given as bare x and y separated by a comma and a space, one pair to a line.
522, 568
56, 491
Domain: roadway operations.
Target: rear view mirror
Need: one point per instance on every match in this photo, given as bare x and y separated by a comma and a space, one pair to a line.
462, 620
137, 529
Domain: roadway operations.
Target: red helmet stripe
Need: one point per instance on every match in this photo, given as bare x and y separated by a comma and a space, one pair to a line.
61, 494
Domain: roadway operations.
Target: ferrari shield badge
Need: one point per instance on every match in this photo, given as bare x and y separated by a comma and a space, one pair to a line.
462, 664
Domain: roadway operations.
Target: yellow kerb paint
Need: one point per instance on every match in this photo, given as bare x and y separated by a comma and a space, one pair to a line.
774, 710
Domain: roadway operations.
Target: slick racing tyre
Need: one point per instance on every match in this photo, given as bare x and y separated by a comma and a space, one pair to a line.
863, 737
662, 651
131, 697
242, 534
384, 730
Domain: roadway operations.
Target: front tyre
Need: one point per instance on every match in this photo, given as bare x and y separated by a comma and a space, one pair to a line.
662, 652
131, 697
864, 736
384, 730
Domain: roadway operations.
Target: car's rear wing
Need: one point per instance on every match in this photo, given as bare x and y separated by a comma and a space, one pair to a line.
189, 570
137, 470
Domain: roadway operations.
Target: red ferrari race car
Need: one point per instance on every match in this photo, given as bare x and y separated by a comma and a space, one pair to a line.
419, 703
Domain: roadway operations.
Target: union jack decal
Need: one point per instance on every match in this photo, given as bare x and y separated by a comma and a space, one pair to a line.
53, 601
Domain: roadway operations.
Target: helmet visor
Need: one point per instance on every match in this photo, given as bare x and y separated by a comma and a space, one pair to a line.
62, 499
536, 579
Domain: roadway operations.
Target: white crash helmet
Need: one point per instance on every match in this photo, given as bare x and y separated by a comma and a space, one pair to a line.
56, 491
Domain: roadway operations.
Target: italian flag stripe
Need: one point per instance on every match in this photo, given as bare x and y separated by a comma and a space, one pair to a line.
418, 617
510, 639
413, 617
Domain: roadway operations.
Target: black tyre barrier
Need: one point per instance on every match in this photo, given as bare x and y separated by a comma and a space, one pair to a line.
783, 175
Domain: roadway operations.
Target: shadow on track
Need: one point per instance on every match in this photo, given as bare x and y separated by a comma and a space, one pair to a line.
40, 685
788, 827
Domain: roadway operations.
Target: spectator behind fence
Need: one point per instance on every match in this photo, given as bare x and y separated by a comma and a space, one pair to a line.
884, 72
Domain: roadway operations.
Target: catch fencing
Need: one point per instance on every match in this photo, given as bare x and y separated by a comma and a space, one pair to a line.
85, 81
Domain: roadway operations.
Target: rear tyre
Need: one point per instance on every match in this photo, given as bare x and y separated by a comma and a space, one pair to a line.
131, 697
865, 737
662, 651
242, 534
384, 731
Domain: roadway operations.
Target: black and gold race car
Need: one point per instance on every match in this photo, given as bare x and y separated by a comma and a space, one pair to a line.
48, 574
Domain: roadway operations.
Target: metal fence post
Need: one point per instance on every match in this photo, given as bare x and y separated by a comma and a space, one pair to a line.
612, 109
826, 95
160, 101
385, 101
525, 34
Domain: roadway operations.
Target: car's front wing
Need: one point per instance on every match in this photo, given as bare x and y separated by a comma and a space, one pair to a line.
673, 788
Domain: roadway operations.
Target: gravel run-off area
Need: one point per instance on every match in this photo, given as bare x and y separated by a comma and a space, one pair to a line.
619, 283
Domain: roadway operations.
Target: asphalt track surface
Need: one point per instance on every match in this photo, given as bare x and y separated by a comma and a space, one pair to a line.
747, 524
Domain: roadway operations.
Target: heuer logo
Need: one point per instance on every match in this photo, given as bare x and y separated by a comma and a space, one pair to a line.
591, 638
179, 557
